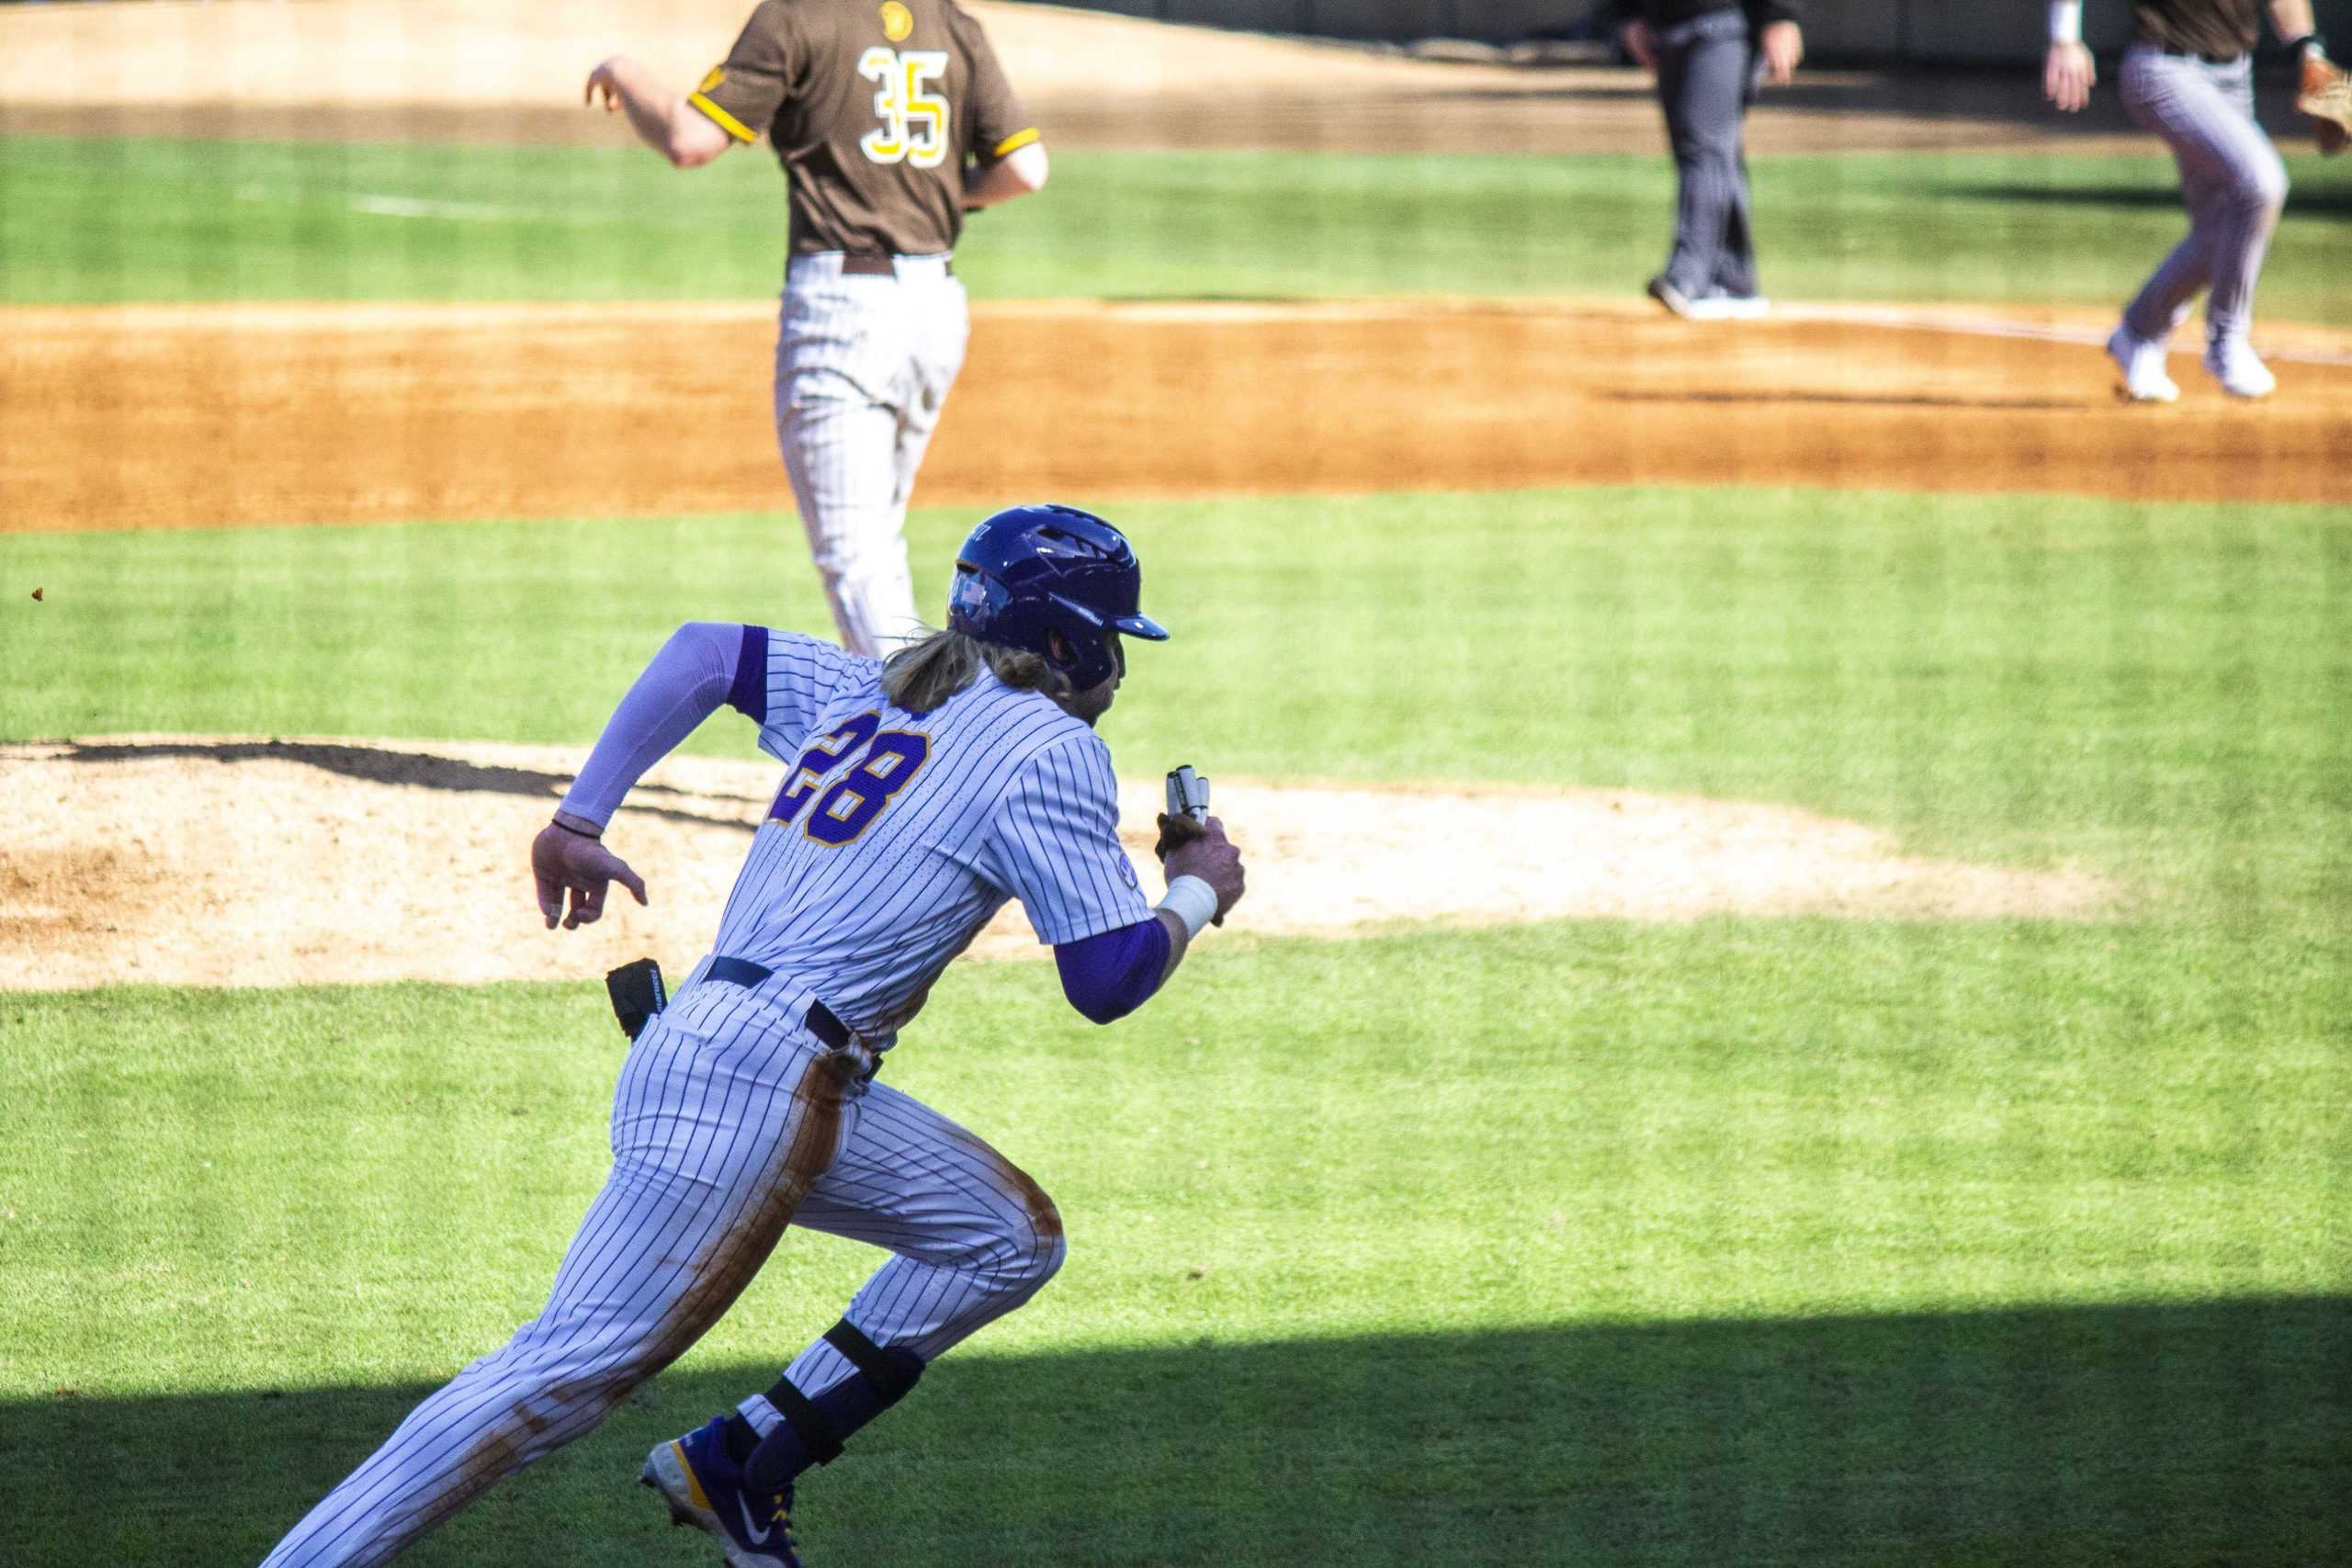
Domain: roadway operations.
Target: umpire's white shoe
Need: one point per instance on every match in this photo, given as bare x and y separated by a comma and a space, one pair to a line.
2236, 365
2143, 364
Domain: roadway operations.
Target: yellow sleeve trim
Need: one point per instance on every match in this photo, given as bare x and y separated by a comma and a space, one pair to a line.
1015, 143
727, 123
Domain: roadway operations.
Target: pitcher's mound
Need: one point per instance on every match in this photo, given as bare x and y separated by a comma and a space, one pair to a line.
252, 861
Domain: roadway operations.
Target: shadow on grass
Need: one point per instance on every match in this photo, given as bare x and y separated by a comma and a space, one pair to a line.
2323, 202
2155, 1435
389, 765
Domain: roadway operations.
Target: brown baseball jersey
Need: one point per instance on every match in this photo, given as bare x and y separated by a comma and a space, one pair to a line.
873, 107
2223, 28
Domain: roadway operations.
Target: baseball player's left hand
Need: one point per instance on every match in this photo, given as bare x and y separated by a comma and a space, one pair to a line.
2325, 94
2068, 74
1640, 44
563, 862
1782, 47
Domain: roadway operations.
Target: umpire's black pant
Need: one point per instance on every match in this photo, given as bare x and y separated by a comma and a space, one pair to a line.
1706, 75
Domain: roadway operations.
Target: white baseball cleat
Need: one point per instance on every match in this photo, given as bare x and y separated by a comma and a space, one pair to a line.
1714, 304
1739, 307
2242, 374
2143, 364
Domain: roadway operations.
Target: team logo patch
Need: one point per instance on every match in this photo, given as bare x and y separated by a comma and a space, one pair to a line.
896, 21
1127, 872
718, 74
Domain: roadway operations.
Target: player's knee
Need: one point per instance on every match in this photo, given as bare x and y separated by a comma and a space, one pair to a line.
1033, 1249
2263, 192
1044, 1260
1045, 1245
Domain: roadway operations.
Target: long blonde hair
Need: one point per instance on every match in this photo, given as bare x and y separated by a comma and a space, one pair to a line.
926, 672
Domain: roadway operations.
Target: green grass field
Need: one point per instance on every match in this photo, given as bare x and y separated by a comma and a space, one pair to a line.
1740, 1241
143, 219
1753, 1240
2156, 688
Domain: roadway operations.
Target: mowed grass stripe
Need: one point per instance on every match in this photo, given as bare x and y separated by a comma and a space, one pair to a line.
2157, 691
1756, 1240
105, 220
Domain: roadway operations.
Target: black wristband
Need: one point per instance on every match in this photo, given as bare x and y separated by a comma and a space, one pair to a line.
2307, 44
583, 832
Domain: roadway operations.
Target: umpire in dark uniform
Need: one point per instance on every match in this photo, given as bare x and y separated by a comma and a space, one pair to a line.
1710, 56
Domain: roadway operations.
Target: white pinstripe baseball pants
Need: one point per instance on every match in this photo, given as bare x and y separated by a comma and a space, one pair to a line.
862, 366
729, 1121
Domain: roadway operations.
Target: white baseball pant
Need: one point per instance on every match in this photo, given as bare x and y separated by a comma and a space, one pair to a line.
2231, 178
729, 1121
862, 366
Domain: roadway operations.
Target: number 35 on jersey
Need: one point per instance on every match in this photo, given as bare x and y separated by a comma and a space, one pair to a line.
914, 120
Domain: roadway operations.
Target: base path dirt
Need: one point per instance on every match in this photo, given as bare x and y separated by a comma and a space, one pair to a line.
257, 862
150, 416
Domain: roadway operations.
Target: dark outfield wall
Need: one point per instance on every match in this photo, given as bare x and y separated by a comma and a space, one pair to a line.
1985, 32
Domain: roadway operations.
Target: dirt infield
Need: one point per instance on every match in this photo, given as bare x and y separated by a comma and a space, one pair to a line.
159, 417
257, 862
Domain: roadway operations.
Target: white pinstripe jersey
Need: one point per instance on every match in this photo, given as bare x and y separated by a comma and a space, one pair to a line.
896, 836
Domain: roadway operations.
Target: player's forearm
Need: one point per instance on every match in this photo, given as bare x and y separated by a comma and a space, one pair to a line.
2293, 20
662, 119
1022, 172
687, 682
1179, 941
1190, 904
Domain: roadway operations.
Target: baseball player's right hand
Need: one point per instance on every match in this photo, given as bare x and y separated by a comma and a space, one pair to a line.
1782, 45
563, 862
2068, 74
1213, 858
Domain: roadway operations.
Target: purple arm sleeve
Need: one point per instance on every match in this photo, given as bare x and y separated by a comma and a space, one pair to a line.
699, 668
1109, 975
749, 694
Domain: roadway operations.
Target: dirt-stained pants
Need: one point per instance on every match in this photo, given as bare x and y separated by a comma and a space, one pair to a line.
730, 1121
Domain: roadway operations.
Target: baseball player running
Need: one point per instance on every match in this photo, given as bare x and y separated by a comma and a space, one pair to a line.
892, 119
1710, 56
2189, 77
922, 793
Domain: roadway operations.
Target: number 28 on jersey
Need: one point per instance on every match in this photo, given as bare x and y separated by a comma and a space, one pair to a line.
853, 801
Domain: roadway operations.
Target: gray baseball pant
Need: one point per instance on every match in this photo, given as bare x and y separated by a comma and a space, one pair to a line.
2230, 179
1707, 74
